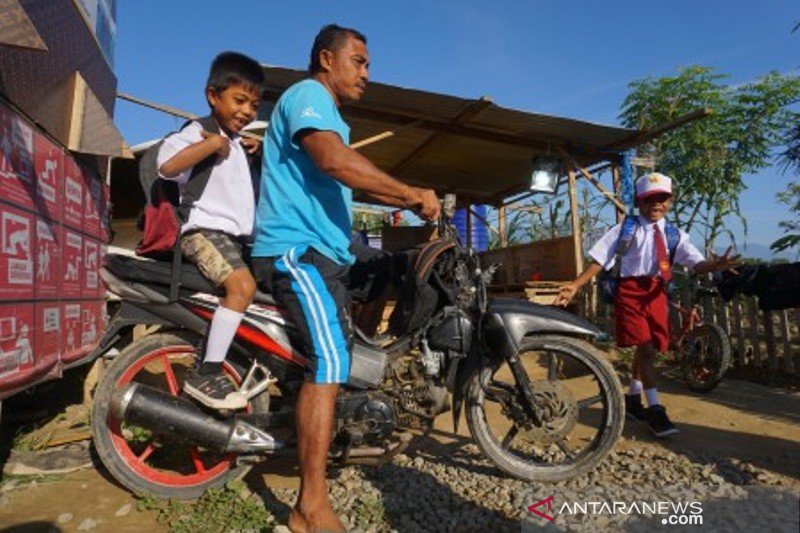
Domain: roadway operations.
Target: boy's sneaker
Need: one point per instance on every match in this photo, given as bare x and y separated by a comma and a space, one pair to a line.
634, 408
658, 421
214, 390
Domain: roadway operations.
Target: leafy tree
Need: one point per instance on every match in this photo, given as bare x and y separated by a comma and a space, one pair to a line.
707, 158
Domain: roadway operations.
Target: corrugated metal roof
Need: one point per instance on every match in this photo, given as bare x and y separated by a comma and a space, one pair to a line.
475, 148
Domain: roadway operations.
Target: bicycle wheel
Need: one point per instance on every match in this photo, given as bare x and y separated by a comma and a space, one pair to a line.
706, 356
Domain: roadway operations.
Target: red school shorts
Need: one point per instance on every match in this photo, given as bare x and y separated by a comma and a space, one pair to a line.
642, 313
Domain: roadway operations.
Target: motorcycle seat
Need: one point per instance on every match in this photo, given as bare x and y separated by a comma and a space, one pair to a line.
152, 272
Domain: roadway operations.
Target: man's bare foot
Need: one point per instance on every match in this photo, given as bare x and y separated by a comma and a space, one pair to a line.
324, 520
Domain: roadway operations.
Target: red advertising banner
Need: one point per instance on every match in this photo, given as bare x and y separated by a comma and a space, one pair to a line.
74, 185
16, 339
71, 264
16, 159
91, 268
47, 263
48, 333
48, 163
93, 194
16, 254
71, 348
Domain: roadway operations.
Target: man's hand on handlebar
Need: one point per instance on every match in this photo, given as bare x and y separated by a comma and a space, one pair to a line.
424, 203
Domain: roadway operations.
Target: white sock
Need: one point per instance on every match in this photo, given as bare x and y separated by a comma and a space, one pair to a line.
635, 388
652, 396
221, 333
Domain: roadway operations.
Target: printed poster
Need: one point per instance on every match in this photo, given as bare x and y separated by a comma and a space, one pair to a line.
47, 261
48, 163
16, 254
16, 159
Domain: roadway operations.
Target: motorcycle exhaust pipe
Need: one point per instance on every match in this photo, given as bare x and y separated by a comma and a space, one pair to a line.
178, 417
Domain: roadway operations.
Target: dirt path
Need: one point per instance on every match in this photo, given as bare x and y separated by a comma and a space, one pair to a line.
738, 420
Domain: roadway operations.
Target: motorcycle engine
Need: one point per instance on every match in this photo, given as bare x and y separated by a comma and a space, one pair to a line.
364, 418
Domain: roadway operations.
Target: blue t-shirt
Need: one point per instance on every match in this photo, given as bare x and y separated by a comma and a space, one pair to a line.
299, 205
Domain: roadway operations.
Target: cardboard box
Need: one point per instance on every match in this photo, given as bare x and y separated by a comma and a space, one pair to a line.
16, 159
47, 259
48, 333
16, 340
71, 264
93, 322
93, 195
105, 215
71, 343
48, 163
91, 268
74, 185
16, 254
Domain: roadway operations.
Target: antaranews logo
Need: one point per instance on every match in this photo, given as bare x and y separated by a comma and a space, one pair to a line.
670, 513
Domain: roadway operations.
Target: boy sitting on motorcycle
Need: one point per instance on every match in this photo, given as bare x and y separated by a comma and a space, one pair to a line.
221, 221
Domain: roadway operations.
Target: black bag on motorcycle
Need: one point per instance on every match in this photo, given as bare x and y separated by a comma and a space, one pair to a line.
421, 286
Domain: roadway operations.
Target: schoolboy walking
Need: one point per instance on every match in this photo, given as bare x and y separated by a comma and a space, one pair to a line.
220, 222
641, 306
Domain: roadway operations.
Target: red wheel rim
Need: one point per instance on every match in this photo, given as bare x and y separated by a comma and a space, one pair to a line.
138, 461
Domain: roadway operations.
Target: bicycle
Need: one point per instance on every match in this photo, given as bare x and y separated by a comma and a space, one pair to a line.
702, 348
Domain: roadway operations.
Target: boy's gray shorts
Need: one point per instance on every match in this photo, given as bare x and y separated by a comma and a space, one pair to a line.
215, 253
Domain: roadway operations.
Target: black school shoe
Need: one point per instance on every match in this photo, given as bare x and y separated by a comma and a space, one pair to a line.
214, 390
634, 408
658, 421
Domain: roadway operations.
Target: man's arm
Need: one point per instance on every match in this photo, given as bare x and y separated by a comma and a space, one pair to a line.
349, 167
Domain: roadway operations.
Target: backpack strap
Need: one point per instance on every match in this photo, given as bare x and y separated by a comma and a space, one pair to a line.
192, 191
673, 238
626, 233
201, 172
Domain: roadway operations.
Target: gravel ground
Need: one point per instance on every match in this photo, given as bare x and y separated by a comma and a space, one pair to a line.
453, 488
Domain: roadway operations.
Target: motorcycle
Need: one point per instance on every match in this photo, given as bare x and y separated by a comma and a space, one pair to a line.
541, 401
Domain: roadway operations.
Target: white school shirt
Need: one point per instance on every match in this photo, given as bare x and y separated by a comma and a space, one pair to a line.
227, 203
640, 259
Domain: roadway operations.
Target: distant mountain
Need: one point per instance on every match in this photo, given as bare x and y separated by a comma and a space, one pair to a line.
756, 250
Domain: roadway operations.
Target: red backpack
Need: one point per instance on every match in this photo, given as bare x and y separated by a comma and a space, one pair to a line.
166, 209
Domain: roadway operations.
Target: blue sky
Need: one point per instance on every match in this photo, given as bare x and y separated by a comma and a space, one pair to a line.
571, 59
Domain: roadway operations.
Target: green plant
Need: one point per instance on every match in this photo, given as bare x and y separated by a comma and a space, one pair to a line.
368, 511
708, 158
230, 508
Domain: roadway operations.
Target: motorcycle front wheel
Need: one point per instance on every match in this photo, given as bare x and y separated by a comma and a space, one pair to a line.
577, 418
142, 460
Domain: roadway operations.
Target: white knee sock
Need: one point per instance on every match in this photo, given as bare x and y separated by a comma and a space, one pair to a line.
652, 396
635, 387
221, 333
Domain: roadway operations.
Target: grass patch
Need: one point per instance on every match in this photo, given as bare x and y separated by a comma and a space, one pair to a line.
217, 510
368, 511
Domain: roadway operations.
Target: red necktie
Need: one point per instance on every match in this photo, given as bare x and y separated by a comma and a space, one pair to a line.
664, 269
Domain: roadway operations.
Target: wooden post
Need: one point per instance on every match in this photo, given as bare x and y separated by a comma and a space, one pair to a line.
577, 238
788, 361
769, 333
615, 177
752, 323
501, 226
739, 330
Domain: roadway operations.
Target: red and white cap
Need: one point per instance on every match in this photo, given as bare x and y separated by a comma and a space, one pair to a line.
653, 183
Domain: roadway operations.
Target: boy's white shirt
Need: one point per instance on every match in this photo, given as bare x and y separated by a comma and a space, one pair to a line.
640, 259
227, 203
